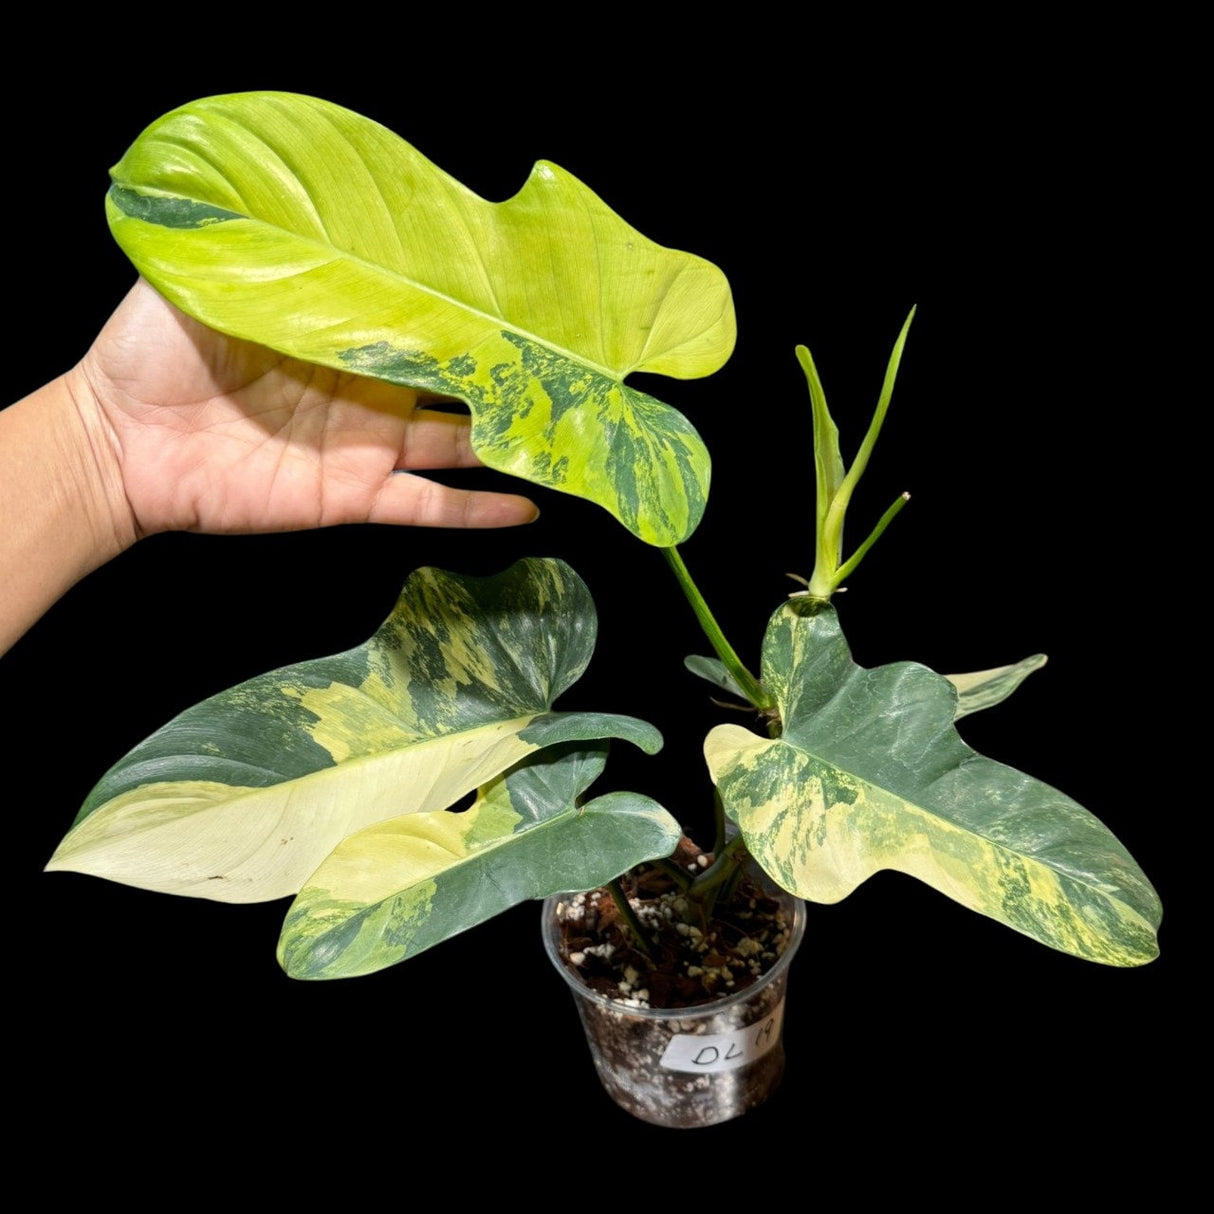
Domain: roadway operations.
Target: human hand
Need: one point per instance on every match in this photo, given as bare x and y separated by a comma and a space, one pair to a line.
210, 433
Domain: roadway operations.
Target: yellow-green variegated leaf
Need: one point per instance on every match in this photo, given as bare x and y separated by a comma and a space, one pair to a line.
310, 229
242, 796
871, 774
986, 688
396, 888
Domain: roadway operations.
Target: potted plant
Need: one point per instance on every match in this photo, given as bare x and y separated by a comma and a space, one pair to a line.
358, 759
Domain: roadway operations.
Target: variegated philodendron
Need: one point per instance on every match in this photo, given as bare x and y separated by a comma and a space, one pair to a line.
306, 228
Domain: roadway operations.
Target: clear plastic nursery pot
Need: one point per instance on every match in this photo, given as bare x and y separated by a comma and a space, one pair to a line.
690, 1066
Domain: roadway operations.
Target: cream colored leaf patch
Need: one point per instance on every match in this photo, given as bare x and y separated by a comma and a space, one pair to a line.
233, 844
986, 688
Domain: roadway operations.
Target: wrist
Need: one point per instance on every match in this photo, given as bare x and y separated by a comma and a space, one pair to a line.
61, 500
90, 447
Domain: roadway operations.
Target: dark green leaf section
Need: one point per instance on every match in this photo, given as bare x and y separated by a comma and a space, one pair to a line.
714, 671
440, 874
551, 728
248, 735
166, 211
870, 773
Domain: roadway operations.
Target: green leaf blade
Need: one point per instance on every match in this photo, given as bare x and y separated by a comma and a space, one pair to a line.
299, 225
398, 888
714, 671
871, 774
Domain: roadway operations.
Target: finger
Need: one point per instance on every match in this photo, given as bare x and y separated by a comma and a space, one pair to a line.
415, 501
438, 440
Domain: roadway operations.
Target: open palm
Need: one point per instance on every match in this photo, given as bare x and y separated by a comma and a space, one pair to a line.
215, 434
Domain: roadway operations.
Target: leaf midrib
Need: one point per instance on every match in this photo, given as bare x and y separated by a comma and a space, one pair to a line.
499, 322
339, 769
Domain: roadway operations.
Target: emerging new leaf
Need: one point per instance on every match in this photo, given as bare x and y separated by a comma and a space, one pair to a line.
241, 797
307, 228
871, 773
836, 483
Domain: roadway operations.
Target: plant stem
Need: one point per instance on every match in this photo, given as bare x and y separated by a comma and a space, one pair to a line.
718, 815
845, 570
678, 875
751, 687
629, 916
719, 876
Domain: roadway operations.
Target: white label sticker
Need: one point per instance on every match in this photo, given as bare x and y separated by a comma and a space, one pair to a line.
710, 1052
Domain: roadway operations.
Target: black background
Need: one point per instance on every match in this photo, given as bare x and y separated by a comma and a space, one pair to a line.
1035, 232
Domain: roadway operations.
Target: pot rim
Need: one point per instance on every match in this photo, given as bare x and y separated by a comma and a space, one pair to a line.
711, 1008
